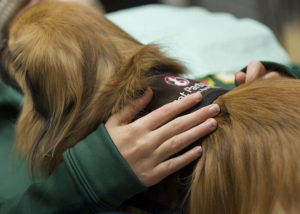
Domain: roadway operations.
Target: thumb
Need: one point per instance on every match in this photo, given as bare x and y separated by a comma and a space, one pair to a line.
127, 114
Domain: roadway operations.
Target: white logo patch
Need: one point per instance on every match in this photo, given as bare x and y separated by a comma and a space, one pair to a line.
176, 81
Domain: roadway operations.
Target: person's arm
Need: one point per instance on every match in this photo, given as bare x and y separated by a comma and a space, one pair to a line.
98, 174
93, 177
57, 194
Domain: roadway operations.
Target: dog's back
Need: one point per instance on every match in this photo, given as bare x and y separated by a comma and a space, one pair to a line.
251, 164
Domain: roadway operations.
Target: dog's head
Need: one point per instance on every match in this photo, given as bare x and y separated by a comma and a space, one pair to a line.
75, 68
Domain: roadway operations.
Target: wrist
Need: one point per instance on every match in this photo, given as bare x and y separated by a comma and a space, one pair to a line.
103, 176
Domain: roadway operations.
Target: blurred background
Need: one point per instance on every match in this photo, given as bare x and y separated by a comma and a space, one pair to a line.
281, 16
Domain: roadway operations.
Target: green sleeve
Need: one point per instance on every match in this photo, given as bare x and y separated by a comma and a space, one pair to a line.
93, 177
57, 194
227, 80
293, 71
100, 172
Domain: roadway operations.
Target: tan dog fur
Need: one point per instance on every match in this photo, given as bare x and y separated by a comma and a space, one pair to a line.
251, 164
76, 68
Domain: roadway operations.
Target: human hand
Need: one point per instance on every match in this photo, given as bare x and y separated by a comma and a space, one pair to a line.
149, 143
255, 70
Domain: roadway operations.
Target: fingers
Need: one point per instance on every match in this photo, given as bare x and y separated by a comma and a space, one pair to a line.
185, 122
160, 116
255, 70
181, 141
272, 74
240, 77
172, 165
129, 112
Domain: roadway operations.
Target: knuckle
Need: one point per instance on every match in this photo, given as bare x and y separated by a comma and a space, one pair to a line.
145, 175
175, 144
170, 165
134, 129
204, 113
140, 147
146, 178
177, 124
166, 109
205, 110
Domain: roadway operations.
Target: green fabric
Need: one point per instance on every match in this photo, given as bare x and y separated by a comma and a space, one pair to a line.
93, 176
227, 81
93, 167
293, 71
9, 96
57, 194
13, 173
81, 160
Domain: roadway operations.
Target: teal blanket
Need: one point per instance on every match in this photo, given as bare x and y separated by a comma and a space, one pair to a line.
205, 42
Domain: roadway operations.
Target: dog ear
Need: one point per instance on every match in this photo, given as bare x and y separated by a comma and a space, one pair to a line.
49, 73
134, 77
60, 70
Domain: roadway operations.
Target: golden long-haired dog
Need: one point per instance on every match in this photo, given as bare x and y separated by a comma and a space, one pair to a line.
251, 164
76, 68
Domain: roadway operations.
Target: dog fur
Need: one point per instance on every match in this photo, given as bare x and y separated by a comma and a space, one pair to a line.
250, 164
75, 69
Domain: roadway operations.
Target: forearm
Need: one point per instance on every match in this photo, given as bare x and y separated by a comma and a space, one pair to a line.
92, 178
102, 175
57, 194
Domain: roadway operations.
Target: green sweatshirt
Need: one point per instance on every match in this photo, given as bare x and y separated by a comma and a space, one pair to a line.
93, 176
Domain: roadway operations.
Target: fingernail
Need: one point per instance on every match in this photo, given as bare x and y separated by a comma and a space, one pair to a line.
214, 108
197, 95
212, 123
198, 150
